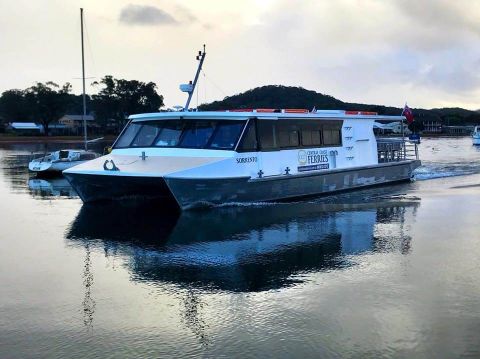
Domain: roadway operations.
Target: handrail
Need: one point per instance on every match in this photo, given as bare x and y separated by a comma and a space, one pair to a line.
396, 149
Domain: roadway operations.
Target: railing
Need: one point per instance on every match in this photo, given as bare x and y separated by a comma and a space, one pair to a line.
396, 149
40, 157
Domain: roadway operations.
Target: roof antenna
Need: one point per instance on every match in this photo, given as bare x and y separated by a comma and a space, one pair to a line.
190, 88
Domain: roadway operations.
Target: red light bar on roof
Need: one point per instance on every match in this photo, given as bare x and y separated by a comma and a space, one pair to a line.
295, 110
264, 110
270, 110
361, 113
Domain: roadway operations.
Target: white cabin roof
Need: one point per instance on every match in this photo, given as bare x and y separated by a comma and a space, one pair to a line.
238, 115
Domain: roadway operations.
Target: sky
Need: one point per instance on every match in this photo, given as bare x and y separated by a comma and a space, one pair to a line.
387, 52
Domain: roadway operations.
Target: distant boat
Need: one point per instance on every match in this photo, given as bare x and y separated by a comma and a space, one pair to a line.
476, 135
58, 161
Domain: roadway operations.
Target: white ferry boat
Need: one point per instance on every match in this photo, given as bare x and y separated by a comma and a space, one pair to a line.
476, 135
198, 158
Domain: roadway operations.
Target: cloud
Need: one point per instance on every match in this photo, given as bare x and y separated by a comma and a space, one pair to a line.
368, 50
185, 14
459, 15
145, 15
458, 77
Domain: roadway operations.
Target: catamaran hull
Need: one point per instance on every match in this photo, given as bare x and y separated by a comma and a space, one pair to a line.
193, 192
94, 188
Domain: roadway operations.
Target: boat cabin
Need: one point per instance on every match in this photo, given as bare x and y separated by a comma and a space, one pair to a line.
241, 135
277, 141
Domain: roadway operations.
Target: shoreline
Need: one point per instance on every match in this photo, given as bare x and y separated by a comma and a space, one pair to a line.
49, 139
111, 138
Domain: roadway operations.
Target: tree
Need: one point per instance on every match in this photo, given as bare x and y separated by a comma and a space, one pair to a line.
13, 106
48, 102
119, 98
416, 126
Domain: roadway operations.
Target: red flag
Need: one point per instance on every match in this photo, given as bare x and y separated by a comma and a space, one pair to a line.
407, 112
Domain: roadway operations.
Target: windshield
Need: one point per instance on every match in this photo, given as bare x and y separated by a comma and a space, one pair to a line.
210, 134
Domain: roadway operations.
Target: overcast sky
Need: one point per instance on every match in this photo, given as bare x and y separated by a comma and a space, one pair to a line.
426, 52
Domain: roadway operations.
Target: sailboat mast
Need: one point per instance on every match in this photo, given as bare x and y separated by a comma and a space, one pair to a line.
84, 115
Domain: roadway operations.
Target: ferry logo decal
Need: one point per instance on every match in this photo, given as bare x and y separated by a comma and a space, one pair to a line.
302, 157
312, 160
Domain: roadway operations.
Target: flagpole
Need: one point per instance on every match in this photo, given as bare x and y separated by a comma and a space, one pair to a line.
403, 134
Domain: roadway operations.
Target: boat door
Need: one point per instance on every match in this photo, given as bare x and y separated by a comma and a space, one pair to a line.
279, 145
249, 156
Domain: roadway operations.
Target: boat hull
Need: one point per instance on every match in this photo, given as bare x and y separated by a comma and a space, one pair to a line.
52, 167
93, 188
193, 192
476, 140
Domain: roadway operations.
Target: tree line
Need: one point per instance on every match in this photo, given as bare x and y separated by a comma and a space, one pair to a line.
276, 96
47, 102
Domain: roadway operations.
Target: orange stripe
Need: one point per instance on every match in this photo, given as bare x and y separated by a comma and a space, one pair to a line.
295, 110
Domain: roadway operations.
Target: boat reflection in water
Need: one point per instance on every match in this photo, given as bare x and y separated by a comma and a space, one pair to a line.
242, 249
52, 187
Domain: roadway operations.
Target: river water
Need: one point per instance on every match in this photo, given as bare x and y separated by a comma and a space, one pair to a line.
386, 272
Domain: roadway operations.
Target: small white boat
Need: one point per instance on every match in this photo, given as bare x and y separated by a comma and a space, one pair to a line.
58, 161
476, 135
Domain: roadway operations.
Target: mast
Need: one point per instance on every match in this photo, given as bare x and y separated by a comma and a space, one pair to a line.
84, 115
201, 58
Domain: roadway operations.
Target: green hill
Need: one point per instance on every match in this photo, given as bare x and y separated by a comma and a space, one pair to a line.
274, 96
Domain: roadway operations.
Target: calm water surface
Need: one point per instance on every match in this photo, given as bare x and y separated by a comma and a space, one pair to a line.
384, 272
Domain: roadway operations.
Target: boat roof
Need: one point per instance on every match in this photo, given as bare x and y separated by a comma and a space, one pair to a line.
268, 114
25, 126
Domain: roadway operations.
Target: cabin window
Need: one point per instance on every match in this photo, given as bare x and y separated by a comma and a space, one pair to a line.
170, 134
128, 135
332, 137
146, 135
323, 133
312, 135
267, 135
185, 133
63, 154
249, 140
226, 134
288, 134
197, 133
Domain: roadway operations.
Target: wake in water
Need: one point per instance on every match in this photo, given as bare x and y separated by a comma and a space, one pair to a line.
442, 170
447, 157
